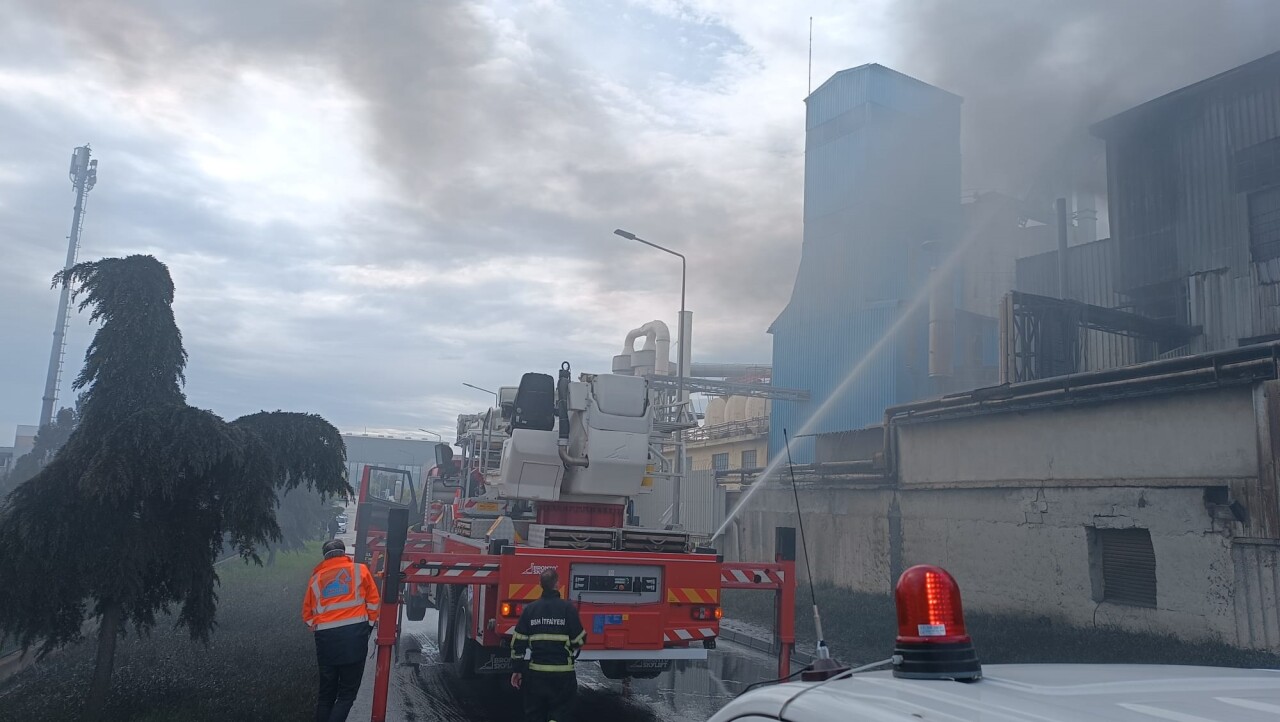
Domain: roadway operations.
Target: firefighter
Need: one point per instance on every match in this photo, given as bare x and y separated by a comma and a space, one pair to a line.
341, 606
546, 640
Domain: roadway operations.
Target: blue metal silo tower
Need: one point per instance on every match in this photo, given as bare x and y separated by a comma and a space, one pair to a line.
882, 180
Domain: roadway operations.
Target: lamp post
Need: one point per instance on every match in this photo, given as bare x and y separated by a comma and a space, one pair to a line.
439, 438
488, 426
487, 391
680, 340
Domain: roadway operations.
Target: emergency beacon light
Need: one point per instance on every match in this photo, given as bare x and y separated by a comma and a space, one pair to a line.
932, 641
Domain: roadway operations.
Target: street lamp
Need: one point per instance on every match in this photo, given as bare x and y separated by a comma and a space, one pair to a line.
487, 391
675, 511
438, 436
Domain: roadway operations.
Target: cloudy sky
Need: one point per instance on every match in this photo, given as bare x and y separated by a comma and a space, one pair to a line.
366, 204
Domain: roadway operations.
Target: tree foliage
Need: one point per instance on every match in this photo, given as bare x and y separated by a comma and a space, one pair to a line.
131, 515
49, 440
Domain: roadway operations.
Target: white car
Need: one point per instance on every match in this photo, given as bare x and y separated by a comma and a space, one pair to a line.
936, 676
1038, 692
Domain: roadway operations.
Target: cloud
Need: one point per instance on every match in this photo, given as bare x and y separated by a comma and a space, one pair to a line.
366, 204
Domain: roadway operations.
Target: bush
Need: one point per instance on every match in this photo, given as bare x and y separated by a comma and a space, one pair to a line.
861, 627
259, 664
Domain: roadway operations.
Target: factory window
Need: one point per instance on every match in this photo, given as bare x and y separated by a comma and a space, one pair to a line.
1122, 565
720, 462
1264, 223
749, 459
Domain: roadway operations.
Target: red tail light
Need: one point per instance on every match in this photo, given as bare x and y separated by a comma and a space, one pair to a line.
706, 612
511, 609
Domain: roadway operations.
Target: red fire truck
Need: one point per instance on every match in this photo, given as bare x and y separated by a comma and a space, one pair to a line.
572, 454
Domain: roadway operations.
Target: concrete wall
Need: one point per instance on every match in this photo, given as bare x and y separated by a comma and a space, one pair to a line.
1006, 503
1012, 550
1204, 435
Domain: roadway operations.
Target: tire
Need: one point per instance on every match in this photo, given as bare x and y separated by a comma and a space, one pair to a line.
464, 647
444, 623
415, 607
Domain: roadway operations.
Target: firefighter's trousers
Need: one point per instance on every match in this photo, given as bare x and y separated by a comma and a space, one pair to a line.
548, 696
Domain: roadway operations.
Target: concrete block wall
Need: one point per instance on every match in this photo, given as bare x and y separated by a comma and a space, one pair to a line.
1022, 551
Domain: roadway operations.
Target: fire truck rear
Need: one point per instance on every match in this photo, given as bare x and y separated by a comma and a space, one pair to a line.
570, 456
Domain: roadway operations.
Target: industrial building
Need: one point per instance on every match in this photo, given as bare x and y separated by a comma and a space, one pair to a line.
1193, 262
882, 191
734, 435
1108, 455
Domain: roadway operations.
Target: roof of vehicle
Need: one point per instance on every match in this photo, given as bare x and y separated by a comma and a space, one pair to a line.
1036, 692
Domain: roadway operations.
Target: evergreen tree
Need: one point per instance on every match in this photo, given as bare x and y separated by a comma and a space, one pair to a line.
49, 440
126, 522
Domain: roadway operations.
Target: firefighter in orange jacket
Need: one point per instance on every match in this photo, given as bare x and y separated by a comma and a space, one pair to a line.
341, 606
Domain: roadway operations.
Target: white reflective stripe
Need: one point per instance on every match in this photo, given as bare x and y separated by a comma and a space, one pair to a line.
740, 575
683, 634
666, 637
782, 576
707, 632
355, 578
341, 623
322, 608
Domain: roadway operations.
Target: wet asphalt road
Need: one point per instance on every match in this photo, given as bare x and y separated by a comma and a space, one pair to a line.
690, 692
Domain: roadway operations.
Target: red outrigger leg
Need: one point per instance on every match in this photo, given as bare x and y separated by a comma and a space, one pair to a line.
389, 613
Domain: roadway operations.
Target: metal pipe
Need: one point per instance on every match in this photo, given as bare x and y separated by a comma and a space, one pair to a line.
1062, 248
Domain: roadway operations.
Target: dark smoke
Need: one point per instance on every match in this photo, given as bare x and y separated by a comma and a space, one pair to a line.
1035, 73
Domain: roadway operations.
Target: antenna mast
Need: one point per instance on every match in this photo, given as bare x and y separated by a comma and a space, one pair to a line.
84, 175
810, 57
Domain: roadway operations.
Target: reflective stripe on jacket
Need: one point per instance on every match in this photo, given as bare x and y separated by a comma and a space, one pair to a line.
547, 635
340, 592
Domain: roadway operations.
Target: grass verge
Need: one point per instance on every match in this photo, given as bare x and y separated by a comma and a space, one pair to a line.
861, 627
259, 665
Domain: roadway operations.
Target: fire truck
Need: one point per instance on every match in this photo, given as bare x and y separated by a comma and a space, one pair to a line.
558, 461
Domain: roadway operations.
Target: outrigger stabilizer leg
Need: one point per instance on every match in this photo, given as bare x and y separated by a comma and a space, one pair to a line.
389, 613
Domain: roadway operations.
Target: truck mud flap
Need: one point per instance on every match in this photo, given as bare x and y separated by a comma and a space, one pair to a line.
493, 661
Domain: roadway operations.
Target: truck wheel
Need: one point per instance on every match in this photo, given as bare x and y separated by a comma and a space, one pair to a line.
444, 622
415, 607
464, 647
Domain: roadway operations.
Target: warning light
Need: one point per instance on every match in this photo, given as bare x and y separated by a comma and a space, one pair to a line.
511, 609
932, 640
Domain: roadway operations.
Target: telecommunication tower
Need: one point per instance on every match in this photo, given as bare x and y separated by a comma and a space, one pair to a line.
84, 175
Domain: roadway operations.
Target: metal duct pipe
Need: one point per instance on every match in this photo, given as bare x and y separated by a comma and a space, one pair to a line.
942, 327
1062, 249
729, 370
657, 338
1086, 217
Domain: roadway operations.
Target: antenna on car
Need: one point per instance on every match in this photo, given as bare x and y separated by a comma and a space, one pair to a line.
823, 667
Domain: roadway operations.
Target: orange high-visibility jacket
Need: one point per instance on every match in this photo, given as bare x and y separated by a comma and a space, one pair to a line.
341, 592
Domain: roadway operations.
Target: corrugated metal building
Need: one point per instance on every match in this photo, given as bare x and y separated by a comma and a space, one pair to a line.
882, 179
1091, 273
1194, 195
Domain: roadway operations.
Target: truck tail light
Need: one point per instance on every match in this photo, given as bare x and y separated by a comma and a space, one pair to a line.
511, 609
932, 641
706, 612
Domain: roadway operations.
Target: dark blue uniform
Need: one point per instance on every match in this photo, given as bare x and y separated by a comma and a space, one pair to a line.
547, 636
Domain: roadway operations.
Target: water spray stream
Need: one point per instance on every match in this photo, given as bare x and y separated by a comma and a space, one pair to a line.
944, 270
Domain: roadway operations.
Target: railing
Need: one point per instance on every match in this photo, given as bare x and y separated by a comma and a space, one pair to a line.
729, 429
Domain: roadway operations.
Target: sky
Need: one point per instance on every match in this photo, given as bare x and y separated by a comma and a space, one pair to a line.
366, 205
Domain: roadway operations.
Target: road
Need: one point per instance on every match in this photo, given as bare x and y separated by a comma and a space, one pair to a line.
689, 693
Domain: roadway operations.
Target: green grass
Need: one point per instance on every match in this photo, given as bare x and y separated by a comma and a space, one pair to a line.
259, 665
861, 628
